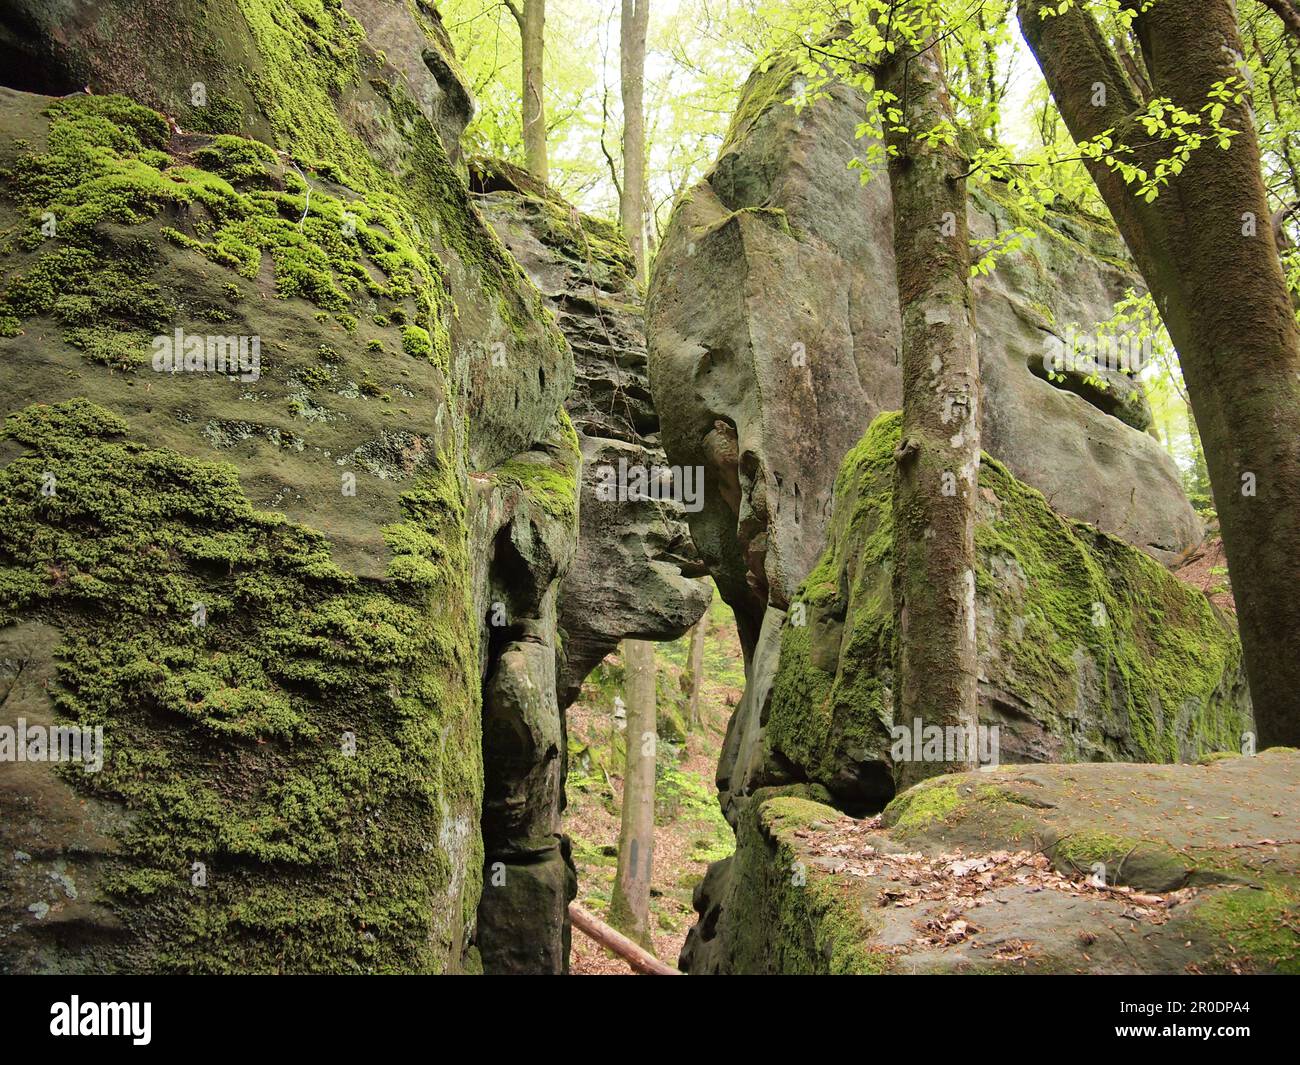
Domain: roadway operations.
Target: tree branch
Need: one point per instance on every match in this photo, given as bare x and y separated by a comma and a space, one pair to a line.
636, 956
1286, 11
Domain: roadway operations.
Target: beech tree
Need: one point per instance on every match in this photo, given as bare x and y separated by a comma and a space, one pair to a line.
631, 56
1203, 239
629, 909
893, 49
531, 17
937, 461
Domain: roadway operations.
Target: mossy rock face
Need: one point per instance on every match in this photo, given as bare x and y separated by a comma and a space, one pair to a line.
357, 98
773, 328
259, 807
267, 583
1092, 868
766, 911
240, 75
1088, 648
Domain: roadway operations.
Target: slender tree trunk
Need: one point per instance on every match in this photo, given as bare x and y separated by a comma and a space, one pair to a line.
693, 719
937, 463
631, 55
531, 18
1206, 250
1200, 474
629, 909
1285, 10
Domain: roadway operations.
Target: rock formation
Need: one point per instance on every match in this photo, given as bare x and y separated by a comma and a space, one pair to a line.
773, 329
635, 568
626, 578
305, 545
1088, 649
773, 340
271, 584
1034, 869
313, 600
774, 335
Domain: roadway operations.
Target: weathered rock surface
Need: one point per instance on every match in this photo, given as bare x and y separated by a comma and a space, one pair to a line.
774, 335
527, 520
774, 339
231, 49
275, 595
634, 575
1090, 868
626, 578
1089, 650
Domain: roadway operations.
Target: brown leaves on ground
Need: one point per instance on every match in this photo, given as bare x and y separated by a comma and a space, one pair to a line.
1205, 566
963, 882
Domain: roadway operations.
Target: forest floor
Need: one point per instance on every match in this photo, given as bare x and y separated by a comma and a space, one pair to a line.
690, 831
1206, 567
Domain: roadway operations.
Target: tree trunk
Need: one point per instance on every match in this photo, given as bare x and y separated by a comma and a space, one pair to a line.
937, 463
1219, 285
532, 33
693, 719
631, 57
629, 909
1200, 473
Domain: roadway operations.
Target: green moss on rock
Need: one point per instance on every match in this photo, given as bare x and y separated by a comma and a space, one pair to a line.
1254, 927
226, 200
302, 734
788, 918
549, 477
226, 740
1097, 650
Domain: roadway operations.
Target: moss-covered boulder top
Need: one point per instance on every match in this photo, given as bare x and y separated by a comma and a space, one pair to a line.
1098, 868
1088, 648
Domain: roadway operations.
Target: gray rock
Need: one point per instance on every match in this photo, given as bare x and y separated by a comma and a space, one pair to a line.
774, 335
774, 343
318, 747
1052, 869
636, 567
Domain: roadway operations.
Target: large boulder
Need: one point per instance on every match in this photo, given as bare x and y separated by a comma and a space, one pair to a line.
272, 586
773, 322
1091, 868
1089, 650
774, 342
